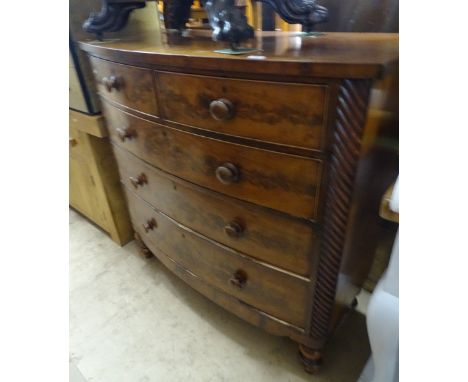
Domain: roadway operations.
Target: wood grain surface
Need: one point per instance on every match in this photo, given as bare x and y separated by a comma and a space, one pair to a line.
283, 182
134, 87
331, 55
269, 236
270, 290
285, 113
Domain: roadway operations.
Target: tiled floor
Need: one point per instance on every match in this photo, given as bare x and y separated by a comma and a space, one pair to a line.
131, 320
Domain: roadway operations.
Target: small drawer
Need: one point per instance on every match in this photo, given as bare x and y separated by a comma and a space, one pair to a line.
126, 85
274, 292
258, 232
283, 182
283, 113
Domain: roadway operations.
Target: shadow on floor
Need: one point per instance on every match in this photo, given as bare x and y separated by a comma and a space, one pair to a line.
132, 320
344, 357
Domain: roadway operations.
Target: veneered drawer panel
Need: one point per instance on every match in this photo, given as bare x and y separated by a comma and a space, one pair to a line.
284, 182
276, 293
127, 85
262, 233
285, 113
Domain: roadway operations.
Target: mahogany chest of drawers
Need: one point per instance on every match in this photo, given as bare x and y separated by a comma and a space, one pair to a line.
240, 171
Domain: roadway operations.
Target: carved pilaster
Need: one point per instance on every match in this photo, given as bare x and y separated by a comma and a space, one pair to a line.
346, 145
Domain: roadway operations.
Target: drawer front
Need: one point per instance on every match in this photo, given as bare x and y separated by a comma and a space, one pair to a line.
283, 182
261, 233
265, 288
127, 85
284, 113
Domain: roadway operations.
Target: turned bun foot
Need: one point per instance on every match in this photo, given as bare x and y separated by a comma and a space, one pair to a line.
311, 359
144, 250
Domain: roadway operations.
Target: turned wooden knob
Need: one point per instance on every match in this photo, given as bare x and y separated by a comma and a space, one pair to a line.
140, 180
72, 142
227, 173
125, 133
239, 279
150, 225
222, 109
234, 229
111, 82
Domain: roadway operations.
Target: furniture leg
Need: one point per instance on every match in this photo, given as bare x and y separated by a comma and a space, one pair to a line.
311, 359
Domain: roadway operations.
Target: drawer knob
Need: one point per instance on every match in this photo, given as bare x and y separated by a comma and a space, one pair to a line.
239, 280
222, 109
72, 142
227, 173
125, 133
150, 225
234, 229
140, 180
112, 82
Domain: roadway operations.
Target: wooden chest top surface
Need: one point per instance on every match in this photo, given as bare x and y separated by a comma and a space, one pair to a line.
344, 55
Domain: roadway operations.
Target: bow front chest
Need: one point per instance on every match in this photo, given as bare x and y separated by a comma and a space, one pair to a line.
240, 170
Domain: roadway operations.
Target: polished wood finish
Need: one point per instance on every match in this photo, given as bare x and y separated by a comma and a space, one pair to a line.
227, 173
284, 182
221, 109
94, 180
332, 55
129, 86
265, 235
251, 180
274, 292
289, 114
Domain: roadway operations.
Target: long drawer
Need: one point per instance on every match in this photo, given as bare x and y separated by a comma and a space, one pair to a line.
283, 182
127, 85
276, 293
285, 113
258, 232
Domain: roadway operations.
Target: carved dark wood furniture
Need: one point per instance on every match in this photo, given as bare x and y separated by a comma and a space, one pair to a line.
112, 17
228, 21
240, 171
